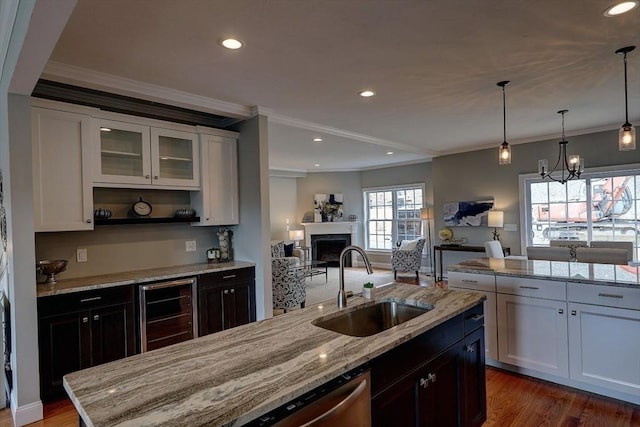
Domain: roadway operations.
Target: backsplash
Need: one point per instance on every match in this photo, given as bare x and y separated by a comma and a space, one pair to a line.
118, 248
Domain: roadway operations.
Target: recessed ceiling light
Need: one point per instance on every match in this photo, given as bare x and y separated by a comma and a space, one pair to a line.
389, 152
620, 8
317, 139
317, 165
367, 93
232, 44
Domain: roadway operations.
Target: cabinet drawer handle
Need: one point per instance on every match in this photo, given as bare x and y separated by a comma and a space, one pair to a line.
231, 276
469, 281
573, 312
155, 177
147, 177
611, 296
424, 383
85, 319
560, 311
529, 287
477, 317
91, 299
96, 317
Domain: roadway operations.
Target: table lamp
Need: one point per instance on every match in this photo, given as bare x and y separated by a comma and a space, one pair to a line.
495, 220
296, 236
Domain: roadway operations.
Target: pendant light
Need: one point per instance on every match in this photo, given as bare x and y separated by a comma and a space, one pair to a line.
504, 154
570, 167
627, 133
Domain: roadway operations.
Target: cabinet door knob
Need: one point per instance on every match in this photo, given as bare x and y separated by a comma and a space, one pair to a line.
424, 383
96, 317
85, 319
470, 349
573, 312
88, 221
147, 177
560, 311
432, 378
156, 177
226, 291
233, 291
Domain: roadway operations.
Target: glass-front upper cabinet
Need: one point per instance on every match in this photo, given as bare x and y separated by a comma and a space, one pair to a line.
174, 158
132, 154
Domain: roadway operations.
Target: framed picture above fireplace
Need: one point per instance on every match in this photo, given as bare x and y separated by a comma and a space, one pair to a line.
328, 207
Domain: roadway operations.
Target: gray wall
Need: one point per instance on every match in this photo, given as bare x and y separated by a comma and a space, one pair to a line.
283, 200
477, 175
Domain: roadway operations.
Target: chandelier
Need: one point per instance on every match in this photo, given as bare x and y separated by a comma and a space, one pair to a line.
570, 166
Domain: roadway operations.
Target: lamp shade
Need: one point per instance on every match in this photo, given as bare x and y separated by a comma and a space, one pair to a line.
296, 235
496, 219
425, 213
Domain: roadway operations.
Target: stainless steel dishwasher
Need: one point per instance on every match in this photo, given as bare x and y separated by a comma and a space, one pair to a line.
343, 401
168, 313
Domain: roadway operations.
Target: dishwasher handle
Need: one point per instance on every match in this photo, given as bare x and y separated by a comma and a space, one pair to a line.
171, 284
343, 406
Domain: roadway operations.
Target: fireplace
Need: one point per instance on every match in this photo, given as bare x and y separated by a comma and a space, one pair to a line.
327, 248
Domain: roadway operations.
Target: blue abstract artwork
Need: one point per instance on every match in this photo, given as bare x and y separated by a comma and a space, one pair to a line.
467, 214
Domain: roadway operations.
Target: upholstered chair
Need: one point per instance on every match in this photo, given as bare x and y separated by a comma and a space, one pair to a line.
407, 257
549, 253
603, 255
493, 249
288, 283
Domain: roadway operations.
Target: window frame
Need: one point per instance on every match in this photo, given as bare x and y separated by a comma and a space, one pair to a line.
590, 174
395, 220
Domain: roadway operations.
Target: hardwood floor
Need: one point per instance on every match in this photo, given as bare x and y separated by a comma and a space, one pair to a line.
512, 401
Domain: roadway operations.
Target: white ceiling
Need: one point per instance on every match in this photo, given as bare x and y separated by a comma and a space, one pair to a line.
433, 64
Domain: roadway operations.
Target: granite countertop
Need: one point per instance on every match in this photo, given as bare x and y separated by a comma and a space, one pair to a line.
234, 376
598, 274
65, 286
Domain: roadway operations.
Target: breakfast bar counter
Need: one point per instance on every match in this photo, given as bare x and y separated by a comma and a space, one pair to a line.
235, 376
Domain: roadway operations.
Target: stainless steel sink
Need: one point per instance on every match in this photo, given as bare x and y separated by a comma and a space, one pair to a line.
370, 319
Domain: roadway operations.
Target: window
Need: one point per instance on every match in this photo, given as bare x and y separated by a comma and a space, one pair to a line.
392, 215
599, 206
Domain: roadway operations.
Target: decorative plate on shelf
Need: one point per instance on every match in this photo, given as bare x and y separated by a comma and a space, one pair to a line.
445, 234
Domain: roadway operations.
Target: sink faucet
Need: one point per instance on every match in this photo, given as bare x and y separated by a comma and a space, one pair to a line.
342, 295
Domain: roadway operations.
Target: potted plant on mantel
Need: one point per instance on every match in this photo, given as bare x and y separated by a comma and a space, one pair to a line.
368, 290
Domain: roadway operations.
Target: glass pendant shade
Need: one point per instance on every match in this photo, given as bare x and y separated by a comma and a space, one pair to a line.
627, 138
543, 166
504, 154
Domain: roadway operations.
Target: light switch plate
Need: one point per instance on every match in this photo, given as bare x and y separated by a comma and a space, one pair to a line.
190, 245
81, 255
511, 227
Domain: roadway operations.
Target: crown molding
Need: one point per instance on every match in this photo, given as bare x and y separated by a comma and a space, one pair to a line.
302, 124
91, 79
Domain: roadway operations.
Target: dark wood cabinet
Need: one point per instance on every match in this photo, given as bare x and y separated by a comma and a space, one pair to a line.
81, 330
226, 299
436, 379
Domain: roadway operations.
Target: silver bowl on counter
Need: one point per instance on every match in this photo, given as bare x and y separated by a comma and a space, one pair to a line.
50, 268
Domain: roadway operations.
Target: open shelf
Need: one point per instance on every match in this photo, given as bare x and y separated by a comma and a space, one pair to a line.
159, 220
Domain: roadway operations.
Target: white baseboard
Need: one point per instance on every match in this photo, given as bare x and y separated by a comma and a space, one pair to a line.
27, 414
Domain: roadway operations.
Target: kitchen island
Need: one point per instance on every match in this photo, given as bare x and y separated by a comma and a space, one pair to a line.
576, 324
235, 376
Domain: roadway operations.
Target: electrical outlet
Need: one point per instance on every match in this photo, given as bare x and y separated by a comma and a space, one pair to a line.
190, 245
81, 255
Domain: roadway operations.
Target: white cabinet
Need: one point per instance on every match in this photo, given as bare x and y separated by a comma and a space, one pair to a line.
217, 202
486, 285
532, 332
604, 340
62, 193
141, 156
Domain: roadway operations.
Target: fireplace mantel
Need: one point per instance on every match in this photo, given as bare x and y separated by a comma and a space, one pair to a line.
311, 228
